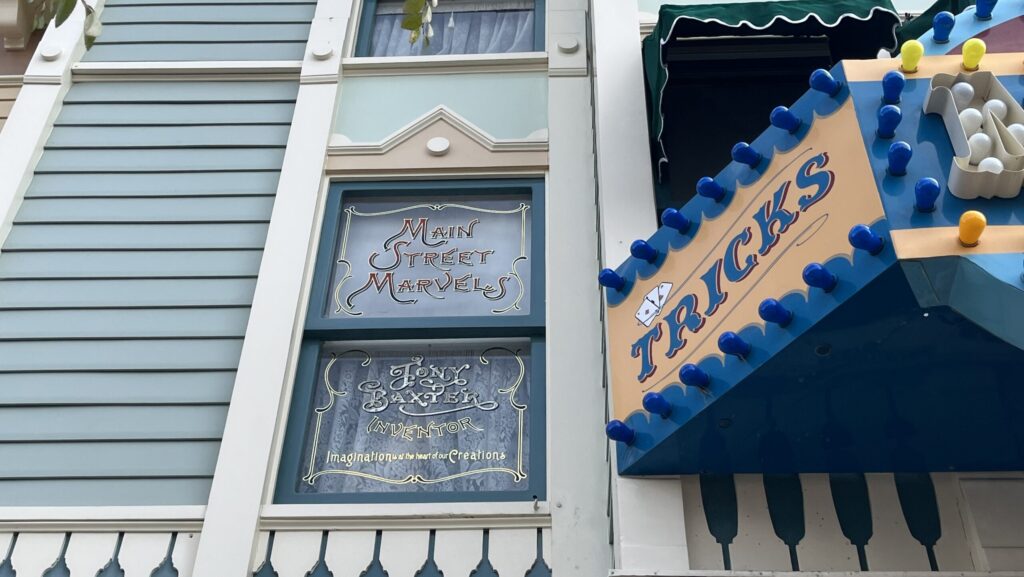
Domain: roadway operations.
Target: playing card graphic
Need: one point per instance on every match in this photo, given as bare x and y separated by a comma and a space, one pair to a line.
654, 300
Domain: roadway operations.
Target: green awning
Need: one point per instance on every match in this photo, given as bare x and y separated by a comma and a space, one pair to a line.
855, 28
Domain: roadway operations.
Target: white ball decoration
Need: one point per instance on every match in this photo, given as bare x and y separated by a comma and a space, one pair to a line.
963, 94
1017, 130
996, 107
991, 164
981, 146
971, 120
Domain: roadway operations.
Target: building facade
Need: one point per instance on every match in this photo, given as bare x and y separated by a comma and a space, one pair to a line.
284, 293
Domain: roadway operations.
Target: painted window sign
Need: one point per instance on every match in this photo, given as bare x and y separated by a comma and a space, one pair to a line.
419, 417
424, 257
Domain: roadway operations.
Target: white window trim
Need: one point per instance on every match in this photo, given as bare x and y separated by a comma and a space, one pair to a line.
121, 518
445, 64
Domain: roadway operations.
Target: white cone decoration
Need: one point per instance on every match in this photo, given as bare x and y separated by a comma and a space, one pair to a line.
988, 156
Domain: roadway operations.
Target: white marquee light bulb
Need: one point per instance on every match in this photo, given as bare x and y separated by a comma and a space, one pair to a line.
1017, 130
996, 107
963, 94
981, 147
971, 120
991, 164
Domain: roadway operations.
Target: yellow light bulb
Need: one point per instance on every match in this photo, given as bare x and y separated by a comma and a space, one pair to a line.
910, 54
972, 224
974, 51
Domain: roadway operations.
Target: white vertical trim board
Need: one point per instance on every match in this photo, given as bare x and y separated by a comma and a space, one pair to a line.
33, 113
241, 478
649, 522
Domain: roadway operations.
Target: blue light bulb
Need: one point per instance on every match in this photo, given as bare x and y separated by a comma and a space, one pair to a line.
863, 238
822, 81
643, 251
731, 343
783, 118
899, 157
657, 404
743, 152
926, 192
708, 188
892, 86
611, 279
983, 9
619, 431
942, 26
693, 376
772, 311
889, 118
675, 219
816, 275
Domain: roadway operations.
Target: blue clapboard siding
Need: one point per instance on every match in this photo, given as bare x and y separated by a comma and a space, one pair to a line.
252, 209
149, 185
126, 293
123, 323
203, 30
125, 288
115, 389
126, 423
68, 493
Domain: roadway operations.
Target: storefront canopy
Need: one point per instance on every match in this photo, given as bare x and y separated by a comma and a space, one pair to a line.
855, 29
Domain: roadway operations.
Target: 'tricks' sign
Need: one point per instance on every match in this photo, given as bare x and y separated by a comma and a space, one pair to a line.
799, 211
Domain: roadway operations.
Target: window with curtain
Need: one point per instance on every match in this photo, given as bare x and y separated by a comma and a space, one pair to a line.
459, 27
421, 371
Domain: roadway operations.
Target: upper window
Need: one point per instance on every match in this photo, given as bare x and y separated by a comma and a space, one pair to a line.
457, 26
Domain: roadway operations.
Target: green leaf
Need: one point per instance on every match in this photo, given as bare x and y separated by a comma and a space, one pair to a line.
64, 9
413, 10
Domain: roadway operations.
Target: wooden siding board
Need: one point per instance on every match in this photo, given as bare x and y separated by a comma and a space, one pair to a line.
99, 460
140, 264
137, 236
146, 210
123, 323
161, 33
115, 389
213, 14
171, 184
126, 282
159, 160
126, 355
147, 114
167, 136
103, 492
171, 52
143, 293
195, 92
92, 423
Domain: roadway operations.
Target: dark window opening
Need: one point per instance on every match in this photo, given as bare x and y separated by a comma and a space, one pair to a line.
721, 91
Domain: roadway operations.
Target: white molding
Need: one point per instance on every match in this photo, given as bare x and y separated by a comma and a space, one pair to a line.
446, 64
147, 76
227, 67
453, 174
11, 79
342, 145
241, 477
134, 519
413, 516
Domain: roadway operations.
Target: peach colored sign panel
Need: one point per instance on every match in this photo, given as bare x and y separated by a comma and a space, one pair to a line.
800, 211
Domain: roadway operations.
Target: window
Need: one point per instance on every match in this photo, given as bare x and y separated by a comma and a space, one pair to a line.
421, 372
459, 27
722, 91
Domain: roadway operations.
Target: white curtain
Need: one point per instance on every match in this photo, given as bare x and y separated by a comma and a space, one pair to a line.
460, 27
